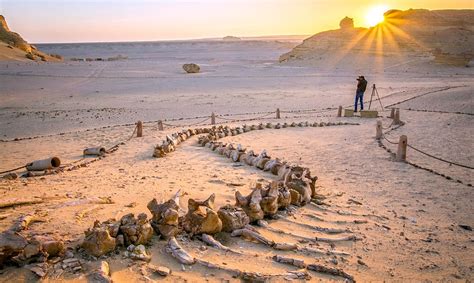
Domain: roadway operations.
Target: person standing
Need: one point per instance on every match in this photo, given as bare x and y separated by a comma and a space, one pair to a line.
361, 87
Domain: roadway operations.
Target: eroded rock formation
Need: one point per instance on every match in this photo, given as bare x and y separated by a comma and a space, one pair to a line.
445, 35
14, 41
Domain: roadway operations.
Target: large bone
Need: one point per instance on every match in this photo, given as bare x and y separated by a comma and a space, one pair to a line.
301, 187
201, 217
284, 196
247, 233
261, 160
251, 204
24, 222
179, 253
136, 231
228, 150
232, 218
330, 271
221, 148
235, 155
208, 239
283, 170
159, 152
269, 165
305, 174
249, 158
165, 218
291, 261
243, 157
215, 145
203, 140
269, 202
98, 240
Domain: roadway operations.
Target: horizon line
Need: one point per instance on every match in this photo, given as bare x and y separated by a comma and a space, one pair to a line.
243, 38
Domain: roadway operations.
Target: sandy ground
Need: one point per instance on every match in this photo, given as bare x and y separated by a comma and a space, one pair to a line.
413, 216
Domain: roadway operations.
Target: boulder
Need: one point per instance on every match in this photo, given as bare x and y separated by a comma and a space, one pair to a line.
191, 68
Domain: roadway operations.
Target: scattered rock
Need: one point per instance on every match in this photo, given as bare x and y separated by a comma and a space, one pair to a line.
465, 227
10, 176
40, 269
160, 270
138, 253
11, 244
100, 274
191, 68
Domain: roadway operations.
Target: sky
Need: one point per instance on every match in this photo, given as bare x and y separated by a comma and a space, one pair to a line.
48, 21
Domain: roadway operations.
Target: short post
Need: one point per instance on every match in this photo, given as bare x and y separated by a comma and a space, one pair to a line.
160, 125
213, 118
278, 113
139, 129
392, 113
402, 148
396, 119
378, 133
339, 111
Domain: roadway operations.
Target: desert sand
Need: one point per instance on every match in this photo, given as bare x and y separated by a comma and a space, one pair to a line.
406, 220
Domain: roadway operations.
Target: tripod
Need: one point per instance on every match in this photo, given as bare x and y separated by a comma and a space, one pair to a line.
375, 92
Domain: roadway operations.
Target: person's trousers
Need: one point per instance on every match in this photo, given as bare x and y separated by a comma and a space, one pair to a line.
359, 96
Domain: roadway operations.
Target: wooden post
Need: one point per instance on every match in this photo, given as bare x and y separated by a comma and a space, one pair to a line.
392, 113
396, 119
278, 113
160, 125
378, 133
139, 129
213, 118
402, 148
339, 111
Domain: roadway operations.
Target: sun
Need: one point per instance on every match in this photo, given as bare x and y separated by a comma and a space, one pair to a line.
375, 16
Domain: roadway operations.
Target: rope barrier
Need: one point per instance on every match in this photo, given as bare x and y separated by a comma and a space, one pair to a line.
207, 118
389, 140
427, 154
440, 159
386, 128
200, 122
11, 170
423, 94
438, 111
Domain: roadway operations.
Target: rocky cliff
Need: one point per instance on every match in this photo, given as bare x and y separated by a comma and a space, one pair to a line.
443, 36
14, 47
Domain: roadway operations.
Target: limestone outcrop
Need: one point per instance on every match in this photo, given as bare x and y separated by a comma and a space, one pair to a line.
347, 23
442, 36
14, 47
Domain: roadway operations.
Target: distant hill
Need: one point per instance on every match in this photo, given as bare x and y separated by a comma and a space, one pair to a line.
14, 47
231, 38
440, 36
